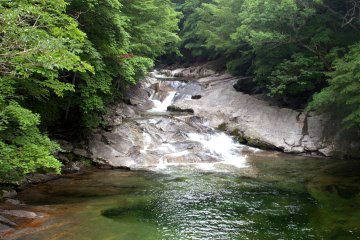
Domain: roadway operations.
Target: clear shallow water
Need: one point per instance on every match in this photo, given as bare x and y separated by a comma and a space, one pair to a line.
204, 187
277, 197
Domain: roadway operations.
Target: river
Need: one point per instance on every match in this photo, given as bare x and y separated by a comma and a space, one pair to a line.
202, 185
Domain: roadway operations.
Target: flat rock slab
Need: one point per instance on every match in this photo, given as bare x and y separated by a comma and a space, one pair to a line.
21, 214
7, 222
3, 229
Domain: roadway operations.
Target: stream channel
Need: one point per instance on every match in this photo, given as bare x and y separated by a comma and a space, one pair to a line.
198, 183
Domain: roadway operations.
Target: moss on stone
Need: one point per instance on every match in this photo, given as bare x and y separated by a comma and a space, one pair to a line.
222, 127
238, 136
242, 139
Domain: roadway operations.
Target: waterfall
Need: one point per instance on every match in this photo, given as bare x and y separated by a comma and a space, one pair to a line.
222, 147
162, 106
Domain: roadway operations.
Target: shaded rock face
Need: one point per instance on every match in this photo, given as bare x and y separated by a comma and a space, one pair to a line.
247, 85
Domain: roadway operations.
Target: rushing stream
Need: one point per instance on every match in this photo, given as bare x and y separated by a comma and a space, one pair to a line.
205, 187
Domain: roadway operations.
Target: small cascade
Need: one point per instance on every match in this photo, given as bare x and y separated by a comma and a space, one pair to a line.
147, 142
179, 143
159, 75
222, 147
162, 106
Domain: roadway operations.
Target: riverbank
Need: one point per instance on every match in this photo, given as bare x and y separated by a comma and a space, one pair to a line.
181, 118
257, 120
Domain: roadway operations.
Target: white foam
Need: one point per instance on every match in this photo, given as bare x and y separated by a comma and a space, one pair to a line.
157, 74
162, 106
164, 164
147, 142
166, 147
222, 147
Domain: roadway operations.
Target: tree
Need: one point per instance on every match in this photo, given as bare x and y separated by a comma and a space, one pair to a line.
124, 38
342, 96
38, 42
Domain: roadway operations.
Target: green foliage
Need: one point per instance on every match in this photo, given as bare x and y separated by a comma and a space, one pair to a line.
65, 61
288, 46
124, 38
298, 78
23, 149
39, 42
342, 96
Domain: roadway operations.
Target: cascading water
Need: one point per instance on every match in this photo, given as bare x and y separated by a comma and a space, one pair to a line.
162, 106
221, 146
157, 74
216, 148
198, 184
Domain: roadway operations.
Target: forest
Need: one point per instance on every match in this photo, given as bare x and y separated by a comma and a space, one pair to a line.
62, 63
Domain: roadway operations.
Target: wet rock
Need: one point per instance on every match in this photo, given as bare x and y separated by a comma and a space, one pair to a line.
166, 72
37, 178
73, 167
196, 97
13, 201
4, 228
259, 121
62, 157
81, 152
20, 213
248, 85
7, 222
65, 145
115, 148
193, 72
9, 193
177, 109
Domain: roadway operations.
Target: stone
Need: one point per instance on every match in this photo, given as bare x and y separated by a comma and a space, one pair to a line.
4, 228
62, 157
193, 72
20, 213
7, 222
177, 109
13, 201
247, 85
65, 145
72, 167
265, 124
196, 97
37, 178
9, 193
134, 140
80, 152
166, 72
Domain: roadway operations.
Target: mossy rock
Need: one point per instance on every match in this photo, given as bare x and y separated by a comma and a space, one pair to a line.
223, 127
238, 136
242, 139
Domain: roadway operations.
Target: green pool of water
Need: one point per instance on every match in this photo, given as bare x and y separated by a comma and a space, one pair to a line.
277, 197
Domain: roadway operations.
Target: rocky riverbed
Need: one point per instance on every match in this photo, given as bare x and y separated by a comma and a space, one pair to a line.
169, 104
188, 117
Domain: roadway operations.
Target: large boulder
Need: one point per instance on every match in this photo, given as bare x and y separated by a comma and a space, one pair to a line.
193, 72
258, 121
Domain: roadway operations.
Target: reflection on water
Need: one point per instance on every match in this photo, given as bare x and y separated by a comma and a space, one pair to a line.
277, 197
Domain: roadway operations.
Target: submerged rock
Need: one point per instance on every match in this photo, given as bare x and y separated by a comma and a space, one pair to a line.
7, 222
9, 193
4, 228
20, 213
13, 201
